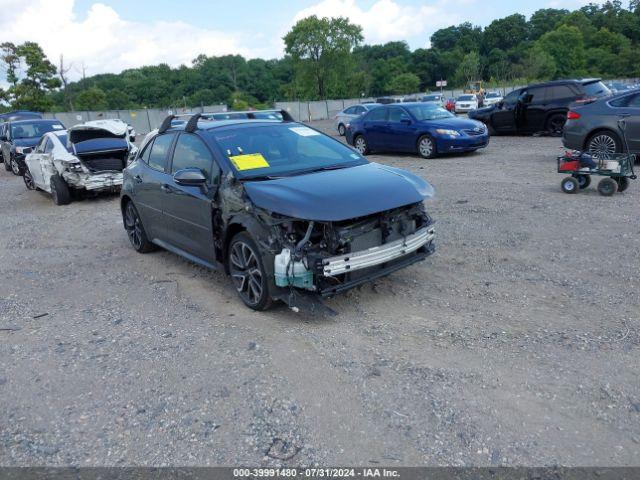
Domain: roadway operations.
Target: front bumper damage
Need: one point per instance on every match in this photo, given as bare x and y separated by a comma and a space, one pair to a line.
321, 259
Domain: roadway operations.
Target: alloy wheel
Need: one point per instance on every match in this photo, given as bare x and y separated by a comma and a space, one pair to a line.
28, 180
133, 226
361, 145
245, 272
341, 130
602, 144
426, 147
15, 168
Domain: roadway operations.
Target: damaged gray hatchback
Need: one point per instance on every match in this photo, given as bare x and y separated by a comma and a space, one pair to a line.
289, 213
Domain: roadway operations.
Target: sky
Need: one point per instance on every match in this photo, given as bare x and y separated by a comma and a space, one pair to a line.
113, 35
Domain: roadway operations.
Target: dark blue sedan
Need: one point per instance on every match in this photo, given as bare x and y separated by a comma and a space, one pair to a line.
416, 127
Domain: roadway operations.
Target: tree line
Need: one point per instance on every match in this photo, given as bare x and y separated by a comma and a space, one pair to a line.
326, 58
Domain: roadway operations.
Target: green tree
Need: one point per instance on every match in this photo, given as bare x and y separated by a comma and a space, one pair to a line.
321, 48
506, 32
92, 98
565, 45
30, 74
404, 83
545, 20
470, 69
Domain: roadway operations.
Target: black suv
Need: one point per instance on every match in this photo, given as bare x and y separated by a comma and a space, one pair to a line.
537, 108
289, 212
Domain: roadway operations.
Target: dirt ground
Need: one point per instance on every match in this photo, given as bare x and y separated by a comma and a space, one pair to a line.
517, 343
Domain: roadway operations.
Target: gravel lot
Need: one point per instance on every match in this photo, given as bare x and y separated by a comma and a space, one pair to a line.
517, 343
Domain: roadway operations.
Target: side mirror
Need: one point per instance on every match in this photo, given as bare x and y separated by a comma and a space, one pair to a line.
132, 138
500, 104
405, 121
190, 177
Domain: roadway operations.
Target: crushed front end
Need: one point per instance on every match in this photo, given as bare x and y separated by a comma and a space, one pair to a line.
330, 257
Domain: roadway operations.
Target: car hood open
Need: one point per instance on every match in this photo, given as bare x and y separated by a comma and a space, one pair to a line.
337, 195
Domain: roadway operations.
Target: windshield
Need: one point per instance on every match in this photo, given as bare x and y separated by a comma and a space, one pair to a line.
33, 130
596, 89
465, 98
493, 95
277, 150
431, 98
428, 113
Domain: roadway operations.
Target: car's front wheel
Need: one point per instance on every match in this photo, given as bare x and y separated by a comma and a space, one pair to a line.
248, 273
426, 147
360, 143
341, 130
28, 180
15, 168
604, 143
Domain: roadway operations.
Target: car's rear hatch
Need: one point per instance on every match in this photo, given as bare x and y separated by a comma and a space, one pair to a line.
100, 145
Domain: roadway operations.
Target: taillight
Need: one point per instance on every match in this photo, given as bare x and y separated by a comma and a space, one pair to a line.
572, 115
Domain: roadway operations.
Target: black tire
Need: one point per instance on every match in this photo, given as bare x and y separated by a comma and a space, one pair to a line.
341, 130
426, 147
28, 180
623, 184
555, 123
569, 185
248, 273
60, 191
15, 167
583, 180
360, 144
604, 142
607, 187
135, 230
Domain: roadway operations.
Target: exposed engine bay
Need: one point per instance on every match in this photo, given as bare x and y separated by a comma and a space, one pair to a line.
329, 257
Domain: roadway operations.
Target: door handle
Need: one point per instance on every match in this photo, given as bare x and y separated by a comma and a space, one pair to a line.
137, 179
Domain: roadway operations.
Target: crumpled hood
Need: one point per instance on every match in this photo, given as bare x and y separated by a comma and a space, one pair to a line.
336, 195
453, 123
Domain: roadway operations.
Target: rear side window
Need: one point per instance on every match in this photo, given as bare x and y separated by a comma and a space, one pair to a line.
350, 111
48, 147
535, 96
158, 155
377, 115
596, 89
191, 152
559, 92
628, 101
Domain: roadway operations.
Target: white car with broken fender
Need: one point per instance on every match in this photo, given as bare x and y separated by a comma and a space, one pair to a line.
87, 158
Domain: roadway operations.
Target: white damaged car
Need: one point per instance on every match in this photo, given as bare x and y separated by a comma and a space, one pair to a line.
89, 157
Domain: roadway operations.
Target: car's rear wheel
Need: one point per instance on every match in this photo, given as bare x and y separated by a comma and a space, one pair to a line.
60, 191
361, 145
604, 143
341, 130
555, 123
248, 273
28, 180
135, 230
426, 147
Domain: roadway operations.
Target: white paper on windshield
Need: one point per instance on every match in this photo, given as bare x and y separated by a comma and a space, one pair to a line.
58, 127
304, 131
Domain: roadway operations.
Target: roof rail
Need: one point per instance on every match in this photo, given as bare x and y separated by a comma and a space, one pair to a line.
166, 124
192, 124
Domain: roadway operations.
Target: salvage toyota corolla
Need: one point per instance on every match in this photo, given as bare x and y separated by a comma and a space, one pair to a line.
290, 213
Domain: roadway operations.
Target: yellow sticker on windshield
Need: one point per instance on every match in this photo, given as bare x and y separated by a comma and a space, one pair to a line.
249, 161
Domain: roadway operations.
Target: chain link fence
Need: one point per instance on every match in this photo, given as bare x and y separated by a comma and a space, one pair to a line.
143, 120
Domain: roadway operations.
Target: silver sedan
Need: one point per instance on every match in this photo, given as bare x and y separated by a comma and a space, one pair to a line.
344, 118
